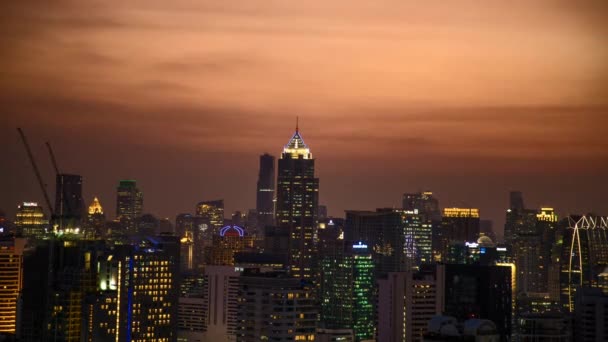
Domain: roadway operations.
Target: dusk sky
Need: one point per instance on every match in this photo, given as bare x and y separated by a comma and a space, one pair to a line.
469, 99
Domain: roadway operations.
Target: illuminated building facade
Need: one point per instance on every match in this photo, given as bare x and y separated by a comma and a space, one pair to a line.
274, 307
230, 240
138, 286
96, 220
425, 203
384, 231
129, 203
457, 225
584, 247
30, 221
347, 289
69, 205
297, 204
407, 301
265, 193
418, 231
11, 281
209, 220
58, 276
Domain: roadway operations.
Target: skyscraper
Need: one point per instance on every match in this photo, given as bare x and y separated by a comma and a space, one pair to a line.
11, 281
265, 193
297, 203
210, 218
458, 225
424, 202
129, 201
95, 220
347, 283
383, 230
69, 205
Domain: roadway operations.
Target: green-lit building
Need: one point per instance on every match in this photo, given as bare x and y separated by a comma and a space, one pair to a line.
347, 288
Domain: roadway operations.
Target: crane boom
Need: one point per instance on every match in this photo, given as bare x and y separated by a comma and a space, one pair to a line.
35, 167
48, 145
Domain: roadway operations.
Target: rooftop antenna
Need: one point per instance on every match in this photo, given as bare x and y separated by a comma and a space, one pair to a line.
297, 119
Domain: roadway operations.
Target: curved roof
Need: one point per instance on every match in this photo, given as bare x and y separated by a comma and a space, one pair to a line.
485, 241
474, 327
232, 230
443, 325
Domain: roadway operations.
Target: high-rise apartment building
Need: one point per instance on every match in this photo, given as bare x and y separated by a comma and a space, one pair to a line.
11, 281
221, 301
129, 201
30, 221
138, 293
69, 205
407, 301
297, 203
265, 193
275, 307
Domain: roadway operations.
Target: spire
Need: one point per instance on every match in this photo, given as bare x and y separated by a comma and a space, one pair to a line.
296, 145
297, 122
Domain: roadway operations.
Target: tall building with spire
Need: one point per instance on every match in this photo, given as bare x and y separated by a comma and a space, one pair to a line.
297, 203
265, 193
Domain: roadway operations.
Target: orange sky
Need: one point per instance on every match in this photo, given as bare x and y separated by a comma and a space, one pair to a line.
497, 94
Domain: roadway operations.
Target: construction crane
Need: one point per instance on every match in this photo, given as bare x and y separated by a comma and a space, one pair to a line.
36, 171
48, 145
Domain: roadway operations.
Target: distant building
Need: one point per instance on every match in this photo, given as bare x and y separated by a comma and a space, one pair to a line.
457, 225
96, 220
424, 202
418, 230
274, 307
129, 203
11, 282
544, 327
221, 300
209, 219
30, 221
384, 231
230, 240
297, 204
69, 205
265, 193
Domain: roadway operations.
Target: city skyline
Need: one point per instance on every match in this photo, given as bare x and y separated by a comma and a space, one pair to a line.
198, 90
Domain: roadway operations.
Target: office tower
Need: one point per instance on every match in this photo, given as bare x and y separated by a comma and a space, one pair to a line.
458, 225
30, 221
383, 231
209, 219
69, 205
297, 204
221, 300
192, 307
474, 291
407, 301
483, 252
138, 291
165, 226
544, 327
518, 219
265, 193
129, 203
96, 220
347, 288
11, 281
424, 202
584, 247
590, 315
276, 242
230, 240
239, 219
418, 237
184, 223
58, 275
274, 307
